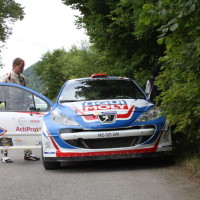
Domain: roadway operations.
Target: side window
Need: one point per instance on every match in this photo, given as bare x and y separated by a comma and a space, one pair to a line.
40, 104
17, 99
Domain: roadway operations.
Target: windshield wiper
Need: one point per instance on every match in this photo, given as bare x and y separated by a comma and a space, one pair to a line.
64, 101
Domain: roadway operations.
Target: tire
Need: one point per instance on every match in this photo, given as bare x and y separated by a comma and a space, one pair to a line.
50, 165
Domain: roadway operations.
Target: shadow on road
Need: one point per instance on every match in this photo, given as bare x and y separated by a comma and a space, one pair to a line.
115, 165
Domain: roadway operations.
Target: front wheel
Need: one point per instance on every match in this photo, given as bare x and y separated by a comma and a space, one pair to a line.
50, 165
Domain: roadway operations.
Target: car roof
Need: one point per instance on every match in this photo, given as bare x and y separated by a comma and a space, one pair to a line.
100, 77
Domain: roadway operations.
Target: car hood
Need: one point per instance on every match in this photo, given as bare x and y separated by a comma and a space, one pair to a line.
104, 113
107, 107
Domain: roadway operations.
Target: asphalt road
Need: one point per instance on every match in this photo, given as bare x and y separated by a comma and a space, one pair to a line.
110, 180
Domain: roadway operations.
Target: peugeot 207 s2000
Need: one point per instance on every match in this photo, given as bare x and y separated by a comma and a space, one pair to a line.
101, 118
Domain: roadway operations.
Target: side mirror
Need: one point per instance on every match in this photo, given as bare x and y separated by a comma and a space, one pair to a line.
31, 107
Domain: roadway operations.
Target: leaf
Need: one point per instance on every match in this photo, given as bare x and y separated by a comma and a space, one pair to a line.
172, 21
162, 35
160, 40
192, 8
164, 30
145, 19
168, 43
147, 6
187, 25
181, 14
173, 27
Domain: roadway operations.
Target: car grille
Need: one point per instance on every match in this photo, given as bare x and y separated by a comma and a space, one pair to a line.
101, 143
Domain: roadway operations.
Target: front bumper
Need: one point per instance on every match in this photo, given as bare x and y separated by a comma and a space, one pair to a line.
109, 157
151, 143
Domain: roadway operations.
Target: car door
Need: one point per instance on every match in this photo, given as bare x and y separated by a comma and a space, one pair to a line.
21, 116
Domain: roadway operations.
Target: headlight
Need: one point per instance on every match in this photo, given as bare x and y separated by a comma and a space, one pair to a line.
60, 118
151, 114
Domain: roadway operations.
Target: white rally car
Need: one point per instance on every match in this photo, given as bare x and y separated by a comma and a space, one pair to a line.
21, 116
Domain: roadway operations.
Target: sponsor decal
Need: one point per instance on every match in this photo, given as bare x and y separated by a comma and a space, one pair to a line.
19, 141
28, 129
23, 121
35, 121
105, 105
5, 142
109, 115
2, 131
49, 152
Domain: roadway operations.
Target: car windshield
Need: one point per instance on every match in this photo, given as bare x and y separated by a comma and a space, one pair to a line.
100, 89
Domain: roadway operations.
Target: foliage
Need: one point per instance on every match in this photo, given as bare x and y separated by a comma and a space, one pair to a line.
179, 28
141, 77
60, 65
32, 80
111, 27
10, 12
50, 70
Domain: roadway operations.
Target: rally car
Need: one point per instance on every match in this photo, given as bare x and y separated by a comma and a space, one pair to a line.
21, 117
103, 117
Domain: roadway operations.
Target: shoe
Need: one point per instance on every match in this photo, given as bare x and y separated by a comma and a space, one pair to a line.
31, 157
6, 159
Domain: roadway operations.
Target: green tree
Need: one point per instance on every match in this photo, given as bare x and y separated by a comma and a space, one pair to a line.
50, 70
58, 66
111, 27
85, 61
32, 80
178, 25
10, 12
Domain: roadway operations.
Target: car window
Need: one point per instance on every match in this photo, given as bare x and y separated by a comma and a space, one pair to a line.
94, 89
17, 99
40, 104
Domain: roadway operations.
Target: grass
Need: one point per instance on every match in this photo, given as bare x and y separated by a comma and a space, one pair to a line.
187, 156
190, 163
187, 153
